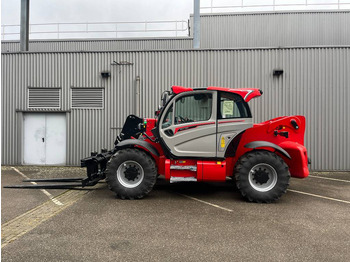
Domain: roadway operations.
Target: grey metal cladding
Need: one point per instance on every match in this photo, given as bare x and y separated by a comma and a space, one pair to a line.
275, 29
87, 97
100, 45
315, 83
44, 97
227, 30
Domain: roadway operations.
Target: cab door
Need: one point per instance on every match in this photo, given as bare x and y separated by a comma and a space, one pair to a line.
188, 126
233, 117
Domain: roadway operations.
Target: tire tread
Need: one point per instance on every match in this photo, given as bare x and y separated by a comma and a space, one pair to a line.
247, 161
150, 173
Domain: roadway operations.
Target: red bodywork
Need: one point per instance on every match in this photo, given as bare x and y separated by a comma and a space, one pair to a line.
294, 144
268, 131
246, 93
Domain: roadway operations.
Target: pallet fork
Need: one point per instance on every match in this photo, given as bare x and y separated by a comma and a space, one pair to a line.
95, 166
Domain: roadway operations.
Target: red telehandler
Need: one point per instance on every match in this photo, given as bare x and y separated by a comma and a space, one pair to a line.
202, 134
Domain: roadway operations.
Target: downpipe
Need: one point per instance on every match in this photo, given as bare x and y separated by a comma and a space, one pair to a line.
137, 95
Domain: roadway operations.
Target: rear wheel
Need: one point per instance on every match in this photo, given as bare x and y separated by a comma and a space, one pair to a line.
131, 173
262, 176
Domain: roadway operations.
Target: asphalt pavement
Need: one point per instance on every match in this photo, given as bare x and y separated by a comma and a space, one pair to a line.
176, 222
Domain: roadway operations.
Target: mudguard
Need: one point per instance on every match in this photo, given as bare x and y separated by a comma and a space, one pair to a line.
137, 143
257, 144
298, 165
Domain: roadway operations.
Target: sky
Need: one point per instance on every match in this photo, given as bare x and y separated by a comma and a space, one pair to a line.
47, 11
53, 11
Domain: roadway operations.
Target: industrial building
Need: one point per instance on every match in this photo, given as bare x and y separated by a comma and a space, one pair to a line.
77, 93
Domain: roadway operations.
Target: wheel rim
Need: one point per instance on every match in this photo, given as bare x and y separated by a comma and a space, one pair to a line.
262, 177
130, 174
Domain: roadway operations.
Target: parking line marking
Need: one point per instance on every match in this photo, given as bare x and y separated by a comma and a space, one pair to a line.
42, 190
319, 196
329, 178
205, 202
17, 227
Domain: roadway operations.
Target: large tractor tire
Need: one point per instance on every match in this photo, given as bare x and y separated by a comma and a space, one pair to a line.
131, 173
261, 176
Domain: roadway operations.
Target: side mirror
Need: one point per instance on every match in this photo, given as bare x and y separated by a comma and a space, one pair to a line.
165, 97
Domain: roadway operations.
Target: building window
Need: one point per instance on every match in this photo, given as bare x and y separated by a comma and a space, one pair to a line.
44, 97
87, 98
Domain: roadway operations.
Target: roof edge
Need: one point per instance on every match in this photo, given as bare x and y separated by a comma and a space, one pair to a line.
186, 50
101, 39
275, 12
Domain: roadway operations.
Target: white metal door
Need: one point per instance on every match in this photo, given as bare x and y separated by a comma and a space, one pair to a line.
44, 139
34, 136
55, 139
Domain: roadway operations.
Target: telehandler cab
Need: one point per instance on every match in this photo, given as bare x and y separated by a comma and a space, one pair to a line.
203, 134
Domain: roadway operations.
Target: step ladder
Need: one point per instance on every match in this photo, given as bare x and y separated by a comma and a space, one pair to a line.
175, 179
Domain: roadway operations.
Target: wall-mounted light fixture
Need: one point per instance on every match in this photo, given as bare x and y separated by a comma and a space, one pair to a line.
105, 74
277, 72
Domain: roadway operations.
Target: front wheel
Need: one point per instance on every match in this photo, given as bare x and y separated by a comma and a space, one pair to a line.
261, 176
131, 173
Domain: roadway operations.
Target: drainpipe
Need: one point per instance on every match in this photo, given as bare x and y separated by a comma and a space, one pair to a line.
138, 96
24, 31
196, 24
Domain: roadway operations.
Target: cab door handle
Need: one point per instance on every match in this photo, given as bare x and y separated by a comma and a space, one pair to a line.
43, 139
169, 132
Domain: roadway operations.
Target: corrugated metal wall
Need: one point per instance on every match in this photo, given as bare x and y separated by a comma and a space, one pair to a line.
275, 29
236, 30
315, 83
101, 45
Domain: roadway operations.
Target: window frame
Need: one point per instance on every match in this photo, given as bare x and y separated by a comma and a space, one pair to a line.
193, 94
171, 106
244, 104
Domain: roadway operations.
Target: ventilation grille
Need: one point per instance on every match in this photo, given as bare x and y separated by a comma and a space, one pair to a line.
44, 97
87, 98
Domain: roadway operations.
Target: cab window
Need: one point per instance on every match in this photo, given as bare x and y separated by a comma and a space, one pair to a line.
232, 106
193, 108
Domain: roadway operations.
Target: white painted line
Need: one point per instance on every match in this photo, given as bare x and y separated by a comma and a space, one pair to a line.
205, 202
329, 178
319, 196
42, 190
